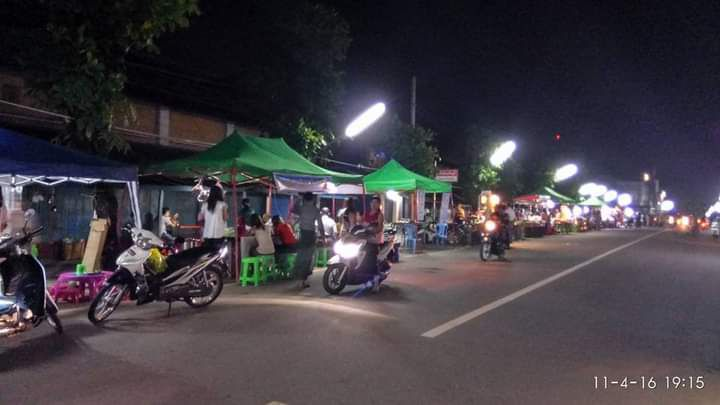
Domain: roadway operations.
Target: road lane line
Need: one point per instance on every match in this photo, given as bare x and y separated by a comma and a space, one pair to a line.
454, 323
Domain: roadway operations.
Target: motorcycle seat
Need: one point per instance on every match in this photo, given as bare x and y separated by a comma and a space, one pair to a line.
6, 305
187, 257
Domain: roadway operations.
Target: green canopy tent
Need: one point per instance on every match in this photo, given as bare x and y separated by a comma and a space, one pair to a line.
248, 158
592, 202
394, 176
560, 197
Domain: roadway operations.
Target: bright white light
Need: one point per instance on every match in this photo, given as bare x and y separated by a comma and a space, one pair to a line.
393, 195
494, 199
586, 210
663, 195
346, 250
565, 172
667, 206
502, 153
646, 176
577, 211
685, 221
610, 196
587, 188
624, 199
628, 212
598, 190
550, 204
490, 226
671, 220
364, 120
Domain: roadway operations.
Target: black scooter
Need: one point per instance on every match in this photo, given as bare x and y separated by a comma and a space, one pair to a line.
24, 298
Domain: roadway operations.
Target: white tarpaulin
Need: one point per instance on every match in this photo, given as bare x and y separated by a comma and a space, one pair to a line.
301, 184
444, 208
420, 205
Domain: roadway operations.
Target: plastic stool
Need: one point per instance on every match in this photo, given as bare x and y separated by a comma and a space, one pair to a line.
322, 257
268, 268
410, 238
79, 269
285, 265
248, 265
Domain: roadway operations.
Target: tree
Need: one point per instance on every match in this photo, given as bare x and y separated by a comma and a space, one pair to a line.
411, 146
476, 173
309, 142
73, 54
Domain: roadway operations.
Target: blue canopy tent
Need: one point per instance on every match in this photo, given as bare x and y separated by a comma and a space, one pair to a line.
26, 160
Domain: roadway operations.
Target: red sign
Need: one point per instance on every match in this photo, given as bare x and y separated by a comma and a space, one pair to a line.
449, 175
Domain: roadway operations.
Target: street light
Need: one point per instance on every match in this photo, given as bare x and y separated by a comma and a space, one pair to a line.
502, 153
364, 120
565, 172
624, 200
646, 177
587, 188
598, 190
667, 206
610, 196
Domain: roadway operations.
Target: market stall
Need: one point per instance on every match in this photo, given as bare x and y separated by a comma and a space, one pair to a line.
245, 159
394, 178
30, 161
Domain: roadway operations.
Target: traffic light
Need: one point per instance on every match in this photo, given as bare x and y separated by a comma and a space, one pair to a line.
557, 136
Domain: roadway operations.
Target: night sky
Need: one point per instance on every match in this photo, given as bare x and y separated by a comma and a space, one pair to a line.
631, 87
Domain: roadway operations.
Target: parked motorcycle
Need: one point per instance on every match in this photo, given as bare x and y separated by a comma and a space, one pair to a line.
24, 298
194, 276
346, 267
492, 242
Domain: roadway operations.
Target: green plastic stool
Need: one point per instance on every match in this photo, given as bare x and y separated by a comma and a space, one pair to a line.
287, 266
322, 257
79, 269
268, 268
250, 271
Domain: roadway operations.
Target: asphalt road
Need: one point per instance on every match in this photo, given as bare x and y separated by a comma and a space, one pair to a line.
537, 330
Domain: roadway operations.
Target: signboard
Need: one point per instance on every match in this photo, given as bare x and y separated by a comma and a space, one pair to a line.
449, 175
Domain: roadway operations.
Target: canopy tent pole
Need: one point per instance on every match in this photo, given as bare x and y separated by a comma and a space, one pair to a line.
268, 201
161, 202
236, 221
134, 202
334, 212
363, 200
434, 207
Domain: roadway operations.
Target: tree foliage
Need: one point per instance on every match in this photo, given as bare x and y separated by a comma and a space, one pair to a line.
412, 147
308, 141
73, 54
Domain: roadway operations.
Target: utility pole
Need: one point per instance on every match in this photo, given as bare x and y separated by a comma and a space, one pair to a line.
413, 101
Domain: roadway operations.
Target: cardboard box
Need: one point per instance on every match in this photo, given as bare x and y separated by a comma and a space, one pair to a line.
95, 243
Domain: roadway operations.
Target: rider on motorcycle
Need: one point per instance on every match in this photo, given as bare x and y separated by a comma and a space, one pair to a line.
375, 221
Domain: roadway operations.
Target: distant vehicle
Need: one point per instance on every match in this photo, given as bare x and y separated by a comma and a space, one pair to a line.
24, 298
194, 276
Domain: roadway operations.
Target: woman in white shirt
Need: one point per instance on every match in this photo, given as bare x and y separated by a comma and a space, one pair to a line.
214, 213
263, 236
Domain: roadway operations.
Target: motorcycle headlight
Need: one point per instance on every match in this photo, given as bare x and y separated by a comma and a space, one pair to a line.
490, 226
346, 250
223, 252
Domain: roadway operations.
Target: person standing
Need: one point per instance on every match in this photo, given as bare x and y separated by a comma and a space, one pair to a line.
329, 225
214, 213
3, 215
309, 220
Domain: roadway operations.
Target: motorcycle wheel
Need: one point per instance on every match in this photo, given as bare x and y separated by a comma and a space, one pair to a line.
54, 321
214, 277
106, 302
333, 280
485, 251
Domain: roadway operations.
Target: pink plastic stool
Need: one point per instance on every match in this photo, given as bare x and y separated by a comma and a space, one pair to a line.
77, 288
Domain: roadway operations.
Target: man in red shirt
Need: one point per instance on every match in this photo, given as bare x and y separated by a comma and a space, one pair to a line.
283, 236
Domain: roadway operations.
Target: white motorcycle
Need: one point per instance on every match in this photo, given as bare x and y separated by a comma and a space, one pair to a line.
194, 276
